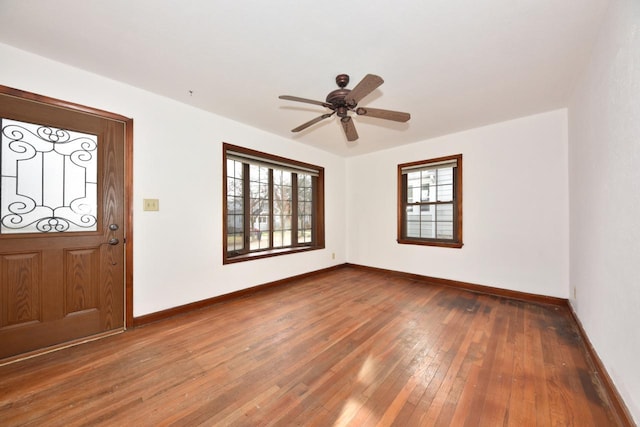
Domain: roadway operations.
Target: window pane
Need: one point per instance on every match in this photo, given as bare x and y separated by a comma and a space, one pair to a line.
234, 223
259, 237
235, 241
254, 189
281, 238
259, 207
259, 173
231, 185
426, 193
286, 238
235, 202
304, 236
282, 231
277, 239
413, 187
444, 230
49, 179
234, 169
235, 214
445, 193
428, 229
286, 179
305, 208
304, 180
413, 213
413, 229
444, 213
305, 222
427, 183
277, 222
426, 212
445, 176
282, 209
281, 177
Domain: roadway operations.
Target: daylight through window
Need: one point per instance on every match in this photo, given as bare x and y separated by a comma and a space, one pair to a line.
273, 205
430, 202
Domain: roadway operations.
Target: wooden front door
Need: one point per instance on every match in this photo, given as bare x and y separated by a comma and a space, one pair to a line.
62, 207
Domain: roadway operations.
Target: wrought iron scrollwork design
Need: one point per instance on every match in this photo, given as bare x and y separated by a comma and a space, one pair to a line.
49, 179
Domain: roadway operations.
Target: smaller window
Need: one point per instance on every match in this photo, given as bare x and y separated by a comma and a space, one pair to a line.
430, 202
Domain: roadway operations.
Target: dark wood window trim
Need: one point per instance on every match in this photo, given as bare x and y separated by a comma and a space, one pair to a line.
318, 230
456, 241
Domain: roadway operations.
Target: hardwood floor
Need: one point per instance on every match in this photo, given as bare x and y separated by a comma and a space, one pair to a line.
347, 347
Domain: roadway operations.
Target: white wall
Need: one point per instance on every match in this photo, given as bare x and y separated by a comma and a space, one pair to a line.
515, 207
604, 178
177, 159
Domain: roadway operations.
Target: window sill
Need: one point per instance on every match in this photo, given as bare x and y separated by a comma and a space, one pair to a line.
456, 245
268, 253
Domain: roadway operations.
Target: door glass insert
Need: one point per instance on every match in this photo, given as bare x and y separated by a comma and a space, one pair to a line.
49, 179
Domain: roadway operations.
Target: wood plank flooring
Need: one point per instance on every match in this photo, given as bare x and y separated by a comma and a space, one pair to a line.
347, 347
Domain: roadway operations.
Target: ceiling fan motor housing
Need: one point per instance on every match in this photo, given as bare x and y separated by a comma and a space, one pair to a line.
336, 97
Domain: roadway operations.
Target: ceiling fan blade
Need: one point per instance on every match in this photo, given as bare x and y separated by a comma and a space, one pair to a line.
367, 85
308, 101
312, 122
396, 116
349, 128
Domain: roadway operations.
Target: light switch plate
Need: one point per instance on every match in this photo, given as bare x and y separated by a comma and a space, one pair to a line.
151, 205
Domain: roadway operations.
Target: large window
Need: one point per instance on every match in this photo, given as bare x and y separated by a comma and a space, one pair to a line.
272, 205
430, 202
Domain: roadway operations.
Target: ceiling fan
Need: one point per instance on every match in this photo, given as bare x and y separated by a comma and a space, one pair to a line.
342, 101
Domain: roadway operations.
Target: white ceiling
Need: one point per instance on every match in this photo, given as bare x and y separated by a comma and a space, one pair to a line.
452, 64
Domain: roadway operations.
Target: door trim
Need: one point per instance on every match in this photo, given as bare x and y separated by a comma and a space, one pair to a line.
128, 180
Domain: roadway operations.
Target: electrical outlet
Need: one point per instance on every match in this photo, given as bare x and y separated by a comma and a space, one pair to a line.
333, 255
151, 205
575, 293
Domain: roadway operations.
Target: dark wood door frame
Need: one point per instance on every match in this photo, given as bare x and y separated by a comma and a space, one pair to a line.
128, 180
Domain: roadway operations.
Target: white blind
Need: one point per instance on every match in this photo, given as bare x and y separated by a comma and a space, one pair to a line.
274, 164
430, 166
